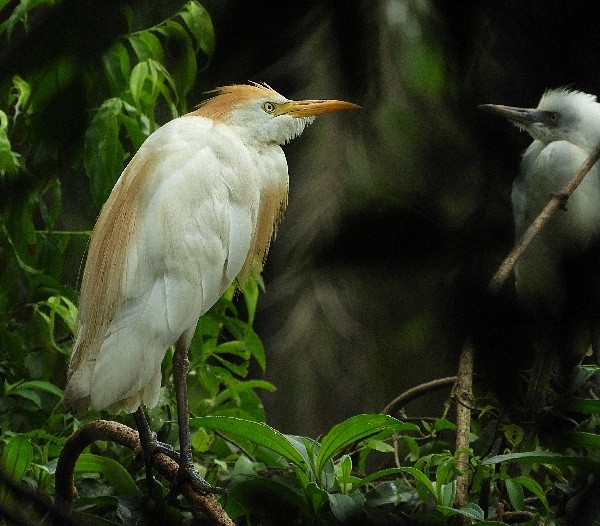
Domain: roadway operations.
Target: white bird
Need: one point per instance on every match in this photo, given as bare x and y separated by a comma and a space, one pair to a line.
558, 276
196, 207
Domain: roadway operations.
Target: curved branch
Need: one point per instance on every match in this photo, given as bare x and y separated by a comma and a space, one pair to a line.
203, 506
416, 392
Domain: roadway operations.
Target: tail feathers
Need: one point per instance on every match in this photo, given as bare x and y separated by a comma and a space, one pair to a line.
77, 391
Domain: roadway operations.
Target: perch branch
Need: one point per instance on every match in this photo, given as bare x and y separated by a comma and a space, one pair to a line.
203, 506
465, 371
416, 392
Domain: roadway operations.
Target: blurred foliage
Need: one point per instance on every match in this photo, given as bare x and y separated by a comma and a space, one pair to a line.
82, 116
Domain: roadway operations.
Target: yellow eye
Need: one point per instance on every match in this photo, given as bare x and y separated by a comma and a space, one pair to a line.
269, 107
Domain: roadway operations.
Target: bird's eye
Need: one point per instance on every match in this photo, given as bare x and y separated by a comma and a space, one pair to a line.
554, 117
269, 107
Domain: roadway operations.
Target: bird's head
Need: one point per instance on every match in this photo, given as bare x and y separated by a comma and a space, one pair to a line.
561, 115
261, 114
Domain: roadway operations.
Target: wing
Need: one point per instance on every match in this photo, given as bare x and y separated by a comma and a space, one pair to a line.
174, 233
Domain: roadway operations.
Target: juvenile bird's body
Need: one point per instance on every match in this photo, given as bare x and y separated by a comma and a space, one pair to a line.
196, 207
558, 276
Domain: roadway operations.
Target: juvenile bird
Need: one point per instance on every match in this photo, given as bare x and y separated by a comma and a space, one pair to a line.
558, 277
196, 207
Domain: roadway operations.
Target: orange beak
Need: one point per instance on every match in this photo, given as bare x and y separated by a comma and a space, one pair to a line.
310, 108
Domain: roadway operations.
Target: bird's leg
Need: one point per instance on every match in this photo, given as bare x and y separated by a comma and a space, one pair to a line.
150, 446
186, 471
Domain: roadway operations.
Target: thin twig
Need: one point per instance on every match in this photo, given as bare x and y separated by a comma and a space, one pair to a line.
205, 507
465, 372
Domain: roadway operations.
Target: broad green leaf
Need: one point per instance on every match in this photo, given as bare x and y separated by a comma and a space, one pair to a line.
39, 385
138, 77
582, 439
515, 494
354, 429
380, 474
181, 59
117, 68
146, 45
535, 488
113, 472
17, 457
103, 154
256, 432
471, 510
346, 508
424, 485
14, 463
200, 25
580, 405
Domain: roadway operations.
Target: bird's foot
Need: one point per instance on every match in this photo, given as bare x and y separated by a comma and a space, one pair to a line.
563, 199
187, 474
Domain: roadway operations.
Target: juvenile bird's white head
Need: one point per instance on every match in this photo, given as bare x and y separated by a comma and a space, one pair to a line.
561, 115
260, 114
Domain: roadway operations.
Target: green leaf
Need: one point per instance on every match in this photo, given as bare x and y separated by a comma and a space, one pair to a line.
256, 432
146, 45
39, 385
103, 153
200, 26
471, 510
9, 160
138, 77
535, 488
515, 494
113, 472
346, 508
380, 474
117, 68
181, 57
424, 485
354, 429
580, 405
582, 439
17, 457
545, 457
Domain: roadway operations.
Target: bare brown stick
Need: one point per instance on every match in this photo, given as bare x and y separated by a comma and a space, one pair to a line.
463, 393
204, 507
415, 392
556, 201
465, 370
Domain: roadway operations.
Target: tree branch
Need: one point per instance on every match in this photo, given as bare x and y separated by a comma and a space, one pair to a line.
203, 506
415, 392
465, 371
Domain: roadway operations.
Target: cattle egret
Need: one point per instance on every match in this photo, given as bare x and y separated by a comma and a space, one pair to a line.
558, 277
196, 207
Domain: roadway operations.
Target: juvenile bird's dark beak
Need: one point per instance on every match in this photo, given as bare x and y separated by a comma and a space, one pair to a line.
518, 116
310, 108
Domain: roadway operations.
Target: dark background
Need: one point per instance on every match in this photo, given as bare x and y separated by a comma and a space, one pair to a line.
399, 213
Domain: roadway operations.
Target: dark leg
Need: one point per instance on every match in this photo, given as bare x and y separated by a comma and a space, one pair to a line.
146, 438
186, 472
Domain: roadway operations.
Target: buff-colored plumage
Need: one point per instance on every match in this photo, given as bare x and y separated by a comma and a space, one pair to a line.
196, 207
